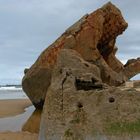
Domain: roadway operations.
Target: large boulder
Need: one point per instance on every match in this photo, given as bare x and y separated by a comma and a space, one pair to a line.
79, 106
93, 37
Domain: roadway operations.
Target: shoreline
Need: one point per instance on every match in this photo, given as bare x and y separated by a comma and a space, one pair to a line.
13, 107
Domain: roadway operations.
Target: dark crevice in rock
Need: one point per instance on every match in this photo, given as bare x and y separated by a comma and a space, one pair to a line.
111, 99
94, 80
87, 85
61, 71
39, 105
63, 81
62, 99
104, 49
86, 65
79, 105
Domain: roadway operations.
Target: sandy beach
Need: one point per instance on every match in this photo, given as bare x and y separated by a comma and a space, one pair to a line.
13, 107
10, 108
18, 136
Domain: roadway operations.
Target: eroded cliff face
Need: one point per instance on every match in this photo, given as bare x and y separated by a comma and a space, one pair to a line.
93, 38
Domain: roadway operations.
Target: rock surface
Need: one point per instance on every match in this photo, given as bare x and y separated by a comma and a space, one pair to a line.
136, 83
79, 106
132, 68
93, 37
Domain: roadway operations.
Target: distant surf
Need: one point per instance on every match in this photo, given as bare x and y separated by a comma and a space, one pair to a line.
10, 88
12, 92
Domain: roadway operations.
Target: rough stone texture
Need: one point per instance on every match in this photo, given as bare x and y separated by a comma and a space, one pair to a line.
93, 37
136, 83
79, 106
132, 67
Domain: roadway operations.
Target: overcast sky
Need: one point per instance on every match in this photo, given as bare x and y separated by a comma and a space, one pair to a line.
27, 27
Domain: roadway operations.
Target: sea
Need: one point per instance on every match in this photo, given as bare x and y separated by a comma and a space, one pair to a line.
12, 92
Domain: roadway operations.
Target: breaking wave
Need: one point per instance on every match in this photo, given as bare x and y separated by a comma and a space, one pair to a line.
11, 88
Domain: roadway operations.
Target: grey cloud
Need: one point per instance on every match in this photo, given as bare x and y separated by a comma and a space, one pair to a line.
27, 27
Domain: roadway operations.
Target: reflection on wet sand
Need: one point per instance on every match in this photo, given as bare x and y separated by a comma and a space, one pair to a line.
15, 123
33, 123
28, 121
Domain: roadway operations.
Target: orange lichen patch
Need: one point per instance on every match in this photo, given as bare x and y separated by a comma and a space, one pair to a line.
99, 27
51, 55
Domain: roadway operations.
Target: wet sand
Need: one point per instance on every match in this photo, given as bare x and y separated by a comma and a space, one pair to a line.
18, 136
11, 111
13, 107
